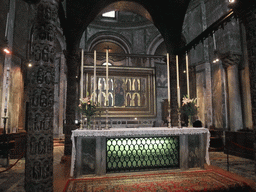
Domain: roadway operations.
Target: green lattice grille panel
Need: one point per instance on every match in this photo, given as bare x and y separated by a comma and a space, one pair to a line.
132, 154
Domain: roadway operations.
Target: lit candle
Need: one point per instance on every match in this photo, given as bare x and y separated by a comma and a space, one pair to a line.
94, 87
107, 77
187, 75
168, 79
178, 83
82, 74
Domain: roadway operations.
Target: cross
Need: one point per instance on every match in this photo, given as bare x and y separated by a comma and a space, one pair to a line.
107, 48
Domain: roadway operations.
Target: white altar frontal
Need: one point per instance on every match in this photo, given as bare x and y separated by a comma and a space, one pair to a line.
138, 149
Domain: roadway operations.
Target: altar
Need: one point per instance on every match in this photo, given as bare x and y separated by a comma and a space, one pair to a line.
138, 149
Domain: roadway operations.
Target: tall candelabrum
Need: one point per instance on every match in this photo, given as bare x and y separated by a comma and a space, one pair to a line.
179, 117
107, 115
169, 115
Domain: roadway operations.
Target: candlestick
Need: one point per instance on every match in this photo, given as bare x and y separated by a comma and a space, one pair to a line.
6, 27
107, 88
168, 79
178, 83
169, 95
107, 77
187, 75
94, 87
82, 74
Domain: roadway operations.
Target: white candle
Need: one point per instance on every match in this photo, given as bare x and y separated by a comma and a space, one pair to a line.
94, 87
6, 27
168, 79
82, 74
107, 77
178, 81
187, 75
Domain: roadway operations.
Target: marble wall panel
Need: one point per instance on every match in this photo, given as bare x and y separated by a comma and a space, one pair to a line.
138, 41
217, 91
200, 85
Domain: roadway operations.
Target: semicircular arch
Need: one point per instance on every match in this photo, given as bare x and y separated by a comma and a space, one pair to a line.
116, 38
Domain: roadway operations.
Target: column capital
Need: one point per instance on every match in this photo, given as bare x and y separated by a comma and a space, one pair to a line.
230, 58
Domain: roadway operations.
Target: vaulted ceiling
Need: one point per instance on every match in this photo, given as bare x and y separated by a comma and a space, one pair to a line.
166, 15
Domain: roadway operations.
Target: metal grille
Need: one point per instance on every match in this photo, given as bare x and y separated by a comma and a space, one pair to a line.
133, 154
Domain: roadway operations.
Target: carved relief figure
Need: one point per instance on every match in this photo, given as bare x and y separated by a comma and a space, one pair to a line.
43, 99
50, 99
37, 122
41, 145
48, 77
52, 55
45, 169
40, 76
50, 34
37, 53
33, 146
47, 13
45, 55
42, 33
35, 98
36, 171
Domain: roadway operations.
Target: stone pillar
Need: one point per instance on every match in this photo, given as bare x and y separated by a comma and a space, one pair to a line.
39, 153
208, 71
72, 99
219, 89
234, 98
247, 14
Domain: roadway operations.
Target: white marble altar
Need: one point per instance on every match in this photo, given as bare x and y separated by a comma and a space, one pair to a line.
183, 133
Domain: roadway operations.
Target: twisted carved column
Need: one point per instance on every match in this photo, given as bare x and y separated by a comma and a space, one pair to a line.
39, 154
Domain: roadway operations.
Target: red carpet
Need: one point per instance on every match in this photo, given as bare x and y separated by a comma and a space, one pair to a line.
201, 180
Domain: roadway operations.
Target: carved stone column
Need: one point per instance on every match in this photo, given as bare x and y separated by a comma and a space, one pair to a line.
231, 61
39, 154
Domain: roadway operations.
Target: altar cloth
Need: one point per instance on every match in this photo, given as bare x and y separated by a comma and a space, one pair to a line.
145, 131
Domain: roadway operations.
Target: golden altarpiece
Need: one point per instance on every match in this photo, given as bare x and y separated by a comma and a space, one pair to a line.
131, 91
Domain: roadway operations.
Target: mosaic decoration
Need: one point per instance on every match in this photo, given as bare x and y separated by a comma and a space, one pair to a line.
123, 91
39, 155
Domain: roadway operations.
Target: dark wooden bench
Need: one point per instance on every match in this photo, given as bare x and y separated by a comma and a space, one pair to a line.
239, 143
16, 144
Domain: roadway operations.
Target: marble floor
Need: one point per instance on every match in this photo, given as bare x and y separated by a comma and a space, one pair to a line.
13, 179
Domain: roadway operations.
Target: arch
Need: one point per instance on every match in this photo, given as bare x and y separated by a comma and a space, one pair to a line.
129, 6
128, 99
155, 43
111, 99
128, 85
136, 99
111, 37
